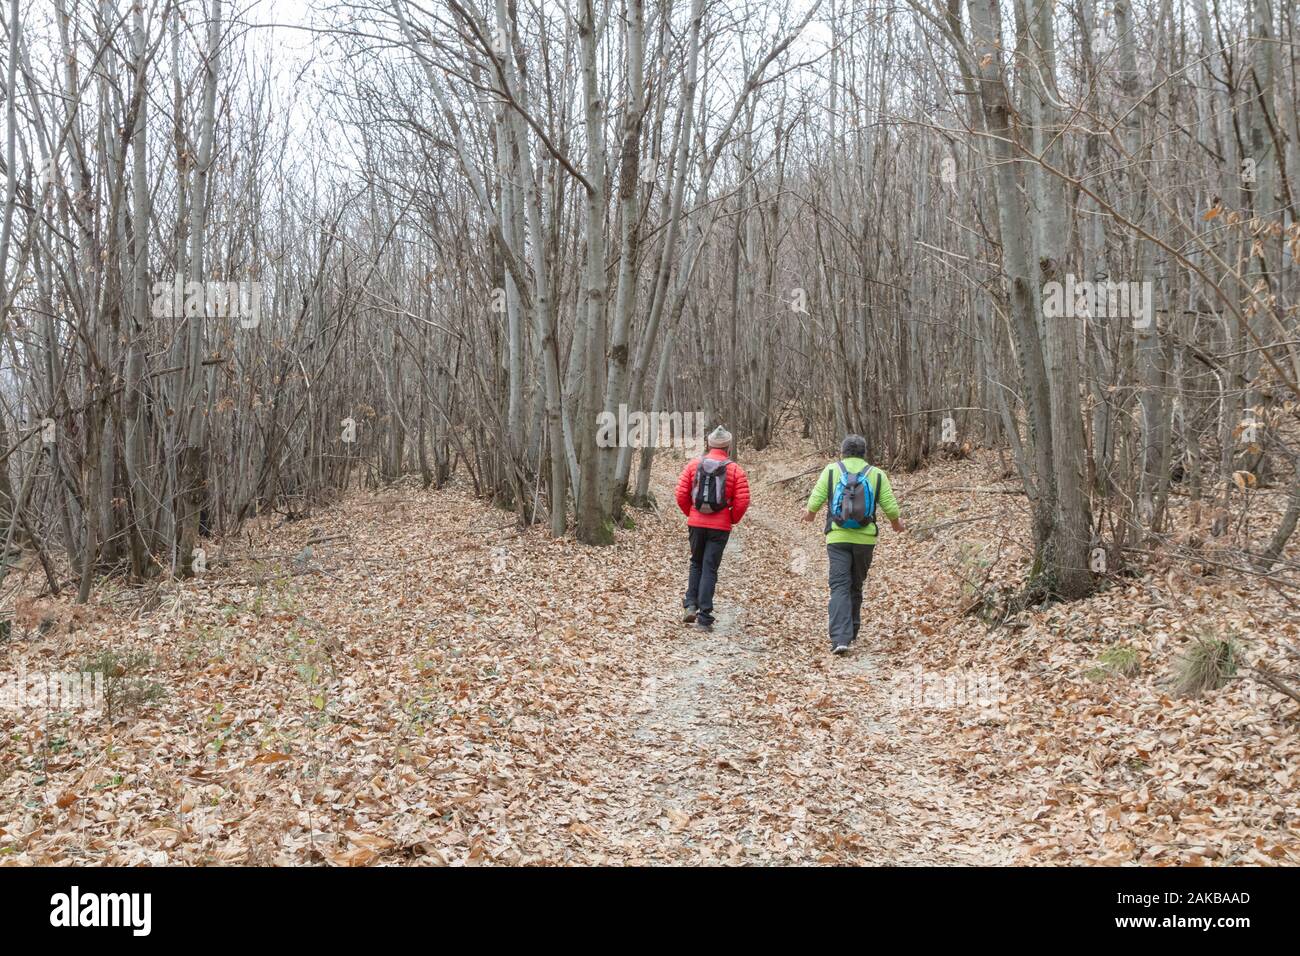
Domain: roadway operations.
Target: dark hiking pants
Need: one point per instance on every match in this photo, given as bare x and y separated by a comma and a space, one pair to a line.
848, 570
707, 545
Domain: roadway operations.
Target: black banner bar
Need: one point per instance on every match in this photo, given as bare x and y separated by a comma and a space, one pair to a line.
212, 907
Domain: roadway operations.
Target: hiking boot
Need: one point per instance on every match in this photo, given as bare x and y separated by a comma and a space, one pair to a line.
689, 615
840, 649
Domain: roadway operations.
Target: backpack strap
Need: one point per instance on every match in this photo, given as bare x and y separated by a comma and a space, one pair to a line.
722, 474
875, 499
830, 497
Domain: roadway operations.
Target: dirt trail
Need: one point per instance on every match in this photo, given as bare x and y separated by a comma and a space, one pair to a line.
436, 687
864, 781
689, 700
392, 703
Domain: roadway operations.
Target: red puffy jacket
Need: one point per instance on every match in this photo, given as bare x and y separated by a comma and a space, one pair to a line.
737, 491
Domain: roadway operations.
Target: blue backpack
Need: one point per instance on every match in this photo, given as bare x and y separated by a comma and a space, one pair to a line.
853, 503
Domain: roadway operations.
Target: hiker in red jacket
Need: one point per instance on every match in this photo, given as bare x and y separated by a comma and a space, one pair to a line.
713, 493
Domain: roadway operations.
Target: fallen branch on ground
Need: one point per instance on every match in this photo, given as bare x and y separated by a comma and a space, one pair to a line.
1275, 681
966, 489
788, 478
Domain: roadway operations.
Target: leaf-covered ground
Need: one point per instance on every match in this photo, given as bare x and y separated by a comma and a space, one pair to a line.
425, 685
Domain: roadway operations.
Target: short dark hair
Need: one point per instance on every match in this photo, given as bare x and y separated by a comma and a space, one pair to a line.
853, 446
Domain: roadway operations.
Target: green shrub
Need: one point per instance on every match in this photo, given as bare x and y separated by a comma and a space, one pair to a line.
124, 687
1118, 660
1206, 665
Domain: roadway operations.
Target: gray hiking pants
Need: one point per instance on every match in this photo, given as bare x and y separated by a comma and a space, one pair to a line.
848, 565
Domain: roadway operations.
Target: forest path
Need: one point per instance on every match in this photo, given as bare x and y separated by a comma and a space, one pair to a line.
433, 686
812, 750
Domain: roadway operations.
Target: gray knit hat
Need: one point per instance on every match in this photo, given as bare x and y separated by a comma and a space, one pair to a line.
719, 438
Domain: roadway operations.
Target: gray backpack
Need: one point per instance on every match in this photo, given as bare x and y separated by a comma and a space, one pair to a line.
711, 485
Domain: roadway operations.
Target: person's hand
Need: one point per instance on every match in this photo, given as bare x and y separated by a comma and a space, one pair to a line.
806, 517
897, 525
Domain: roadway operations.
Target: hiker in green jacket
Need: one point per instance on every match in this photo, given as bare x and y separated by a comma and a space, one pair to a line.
854, 490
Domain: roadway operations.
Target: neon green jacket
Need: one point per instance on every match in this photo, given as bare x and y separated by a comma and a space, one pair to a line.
826, 485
